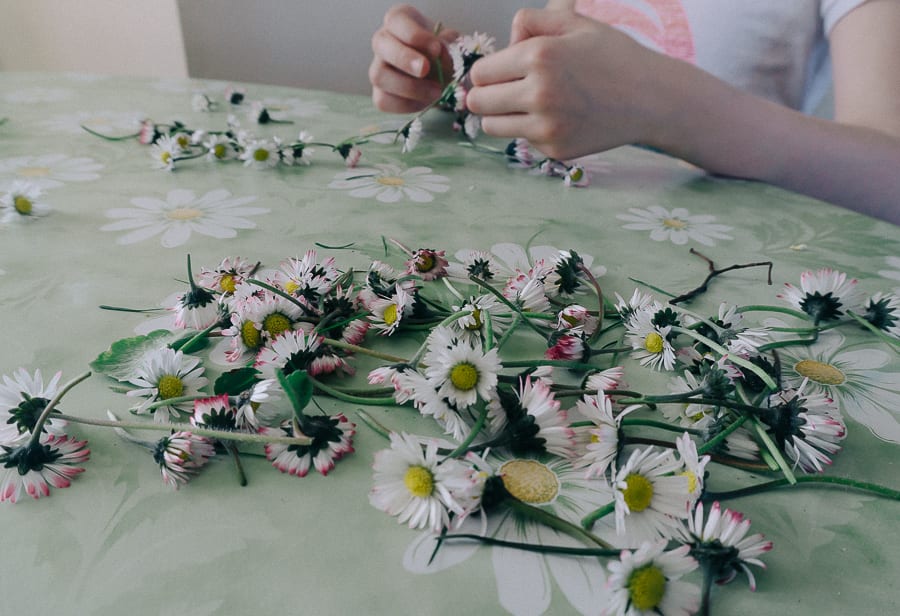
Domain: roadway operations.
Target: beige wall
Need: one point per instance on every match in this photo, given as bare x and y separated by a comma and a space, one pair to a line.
121, 37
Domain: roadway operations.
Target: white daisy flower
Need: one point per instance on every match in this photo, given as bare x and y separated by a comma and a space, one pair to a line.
647, 581
387, 314
411, 134
462, 373
605, 380
164, 152
49, 170
694, 465
226, 276
537, 423
50, 463
676, 226
21, 201
258, 319
332, 439
260, 154
650, 343
415, 484
724, 534
298, 350
411, 385
219, 148
883, 311
390, 183
638, 302
472, 326
468, 48
215, 412
597, 446
824, 295
650, 496
23, 397
215, 214
168, 374
249, 402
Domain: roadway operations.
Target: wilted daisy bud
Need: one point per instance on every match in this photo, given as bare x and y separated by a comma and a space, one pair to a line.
576, 317
201, 102
234, 95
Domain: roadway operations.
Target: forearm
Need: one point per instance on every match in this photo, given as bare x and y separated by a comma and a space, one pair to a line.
729, 132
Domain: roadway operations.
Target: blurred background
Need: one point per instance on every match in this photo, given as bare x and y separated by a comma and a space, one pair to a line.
321, 44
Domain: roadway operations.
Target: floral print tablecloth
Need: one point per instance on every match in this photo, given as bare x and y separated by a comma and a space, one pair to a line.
114, 230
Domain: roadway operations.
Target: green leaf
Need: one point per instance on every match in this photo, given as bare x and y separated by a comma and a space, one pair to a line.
299, 389
124, 357
236, 381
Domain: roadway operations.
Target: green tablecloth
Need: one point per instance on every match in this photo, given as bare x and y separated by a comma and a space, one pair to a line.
119, 541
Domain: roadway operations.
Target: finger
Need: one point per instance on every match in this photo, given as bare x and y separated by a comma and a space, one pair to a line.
498, 99
512, 125
528, 23
560, 5
394, 82
414, 30
397, 54
508, 64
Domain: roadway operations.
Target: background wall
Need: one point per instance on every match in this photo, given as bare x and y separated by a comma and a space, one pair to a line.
323, 44
134, 37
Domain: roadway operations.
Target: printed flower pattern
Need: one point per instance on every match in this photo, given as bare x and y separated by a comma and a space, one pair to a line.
215, 214
390, 183
676, 226
48, 170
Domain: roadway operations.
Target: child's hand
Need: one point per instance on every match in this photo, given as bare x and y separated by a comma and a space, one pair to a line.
403, 75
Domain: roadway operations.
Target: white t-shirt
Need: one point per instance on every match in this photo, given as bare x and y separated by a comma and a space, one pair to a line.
777, 49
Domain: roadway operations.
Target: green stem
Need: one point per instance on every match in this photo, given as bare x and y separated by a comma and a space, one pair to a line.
650, 423
476, 429
774, 451
170, 402
39, 424
740, 361
346, 346
530, 547
555, 522
222, 435
863, 486
374, 424
590, 519
558, 363
108, 137
238, 467
335, 393
481, 283
721, 436
761, 308
878, 332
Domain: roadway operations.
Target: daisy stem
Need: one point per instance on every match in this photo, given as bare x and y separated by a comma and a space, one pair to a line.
169, 402
773, 451
558, 363
721, 436
238, 467
530, 547
346, 346
875, 330
740, 361
779, 309
39, 424
222, 435
508, 333
864, 486
507, 303
107, 137
706, 589
201, 335
373, 423
652, 287
650, 423
590, 276
335, 393
476, 429
590, 519
555, 522
786, 343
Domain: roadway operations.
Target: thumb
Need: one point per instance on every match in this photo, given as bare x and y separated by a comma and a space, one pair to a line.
529, 23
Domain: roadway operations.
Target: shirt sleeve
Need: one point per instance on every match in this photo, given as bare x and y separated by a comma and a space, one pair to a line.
832, 11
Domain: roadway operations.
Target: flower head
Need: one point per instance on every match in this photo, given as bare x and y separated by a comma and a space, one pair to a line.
428, 264
164, 152
23, 398
647, 581
824, 295
167, 374
36, 467
181, 455
332, 439
883, 311
461, 372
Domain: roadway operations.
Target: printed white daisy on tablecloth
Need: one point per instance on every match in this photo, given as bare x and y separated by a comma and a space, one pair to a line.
676, 226
526, 580
48, 170
105, 122
856, 377
216, 214
38, 95
390, 183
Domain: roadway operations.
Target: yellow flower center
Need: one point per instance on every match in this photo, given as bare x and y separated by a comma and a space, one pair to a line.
390, 314
276, 323
291, 287
33, 172
820, 372
693, 482
530, 481
219, 150
654, 343
165, 156
228, 283
476, 318
170, 386
183, 141
638, 492
646, 587
390, 180
419, 481
261, 155
425, 262
184, 213
576, 174
23, 205
250, 335
674, 223
464, 376
595, 438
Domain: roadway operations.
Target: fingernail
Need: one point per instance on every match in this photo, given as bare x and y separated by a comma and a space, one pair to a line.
417, 67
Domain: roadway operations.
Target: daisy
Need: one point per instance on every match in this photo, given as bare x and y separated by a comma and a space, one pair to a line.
462, 373
197, 309
260, 154
518, 153
535, 422
219, 148
49, 170
22, 200
256, 320
676, 226
299, 350
807, 427
568, 347
477, 310
576, 319
723, 540
647, 581
414, 484
824, 295
694, 465
51, 462
387, 314
168, 374
411, 385
638, 302
650, 497
388, 183
606, 380
306, 277
649, 341
249, 401
164, 152
215, 214
411, 134
215, 412
201, 102
428, 264
332, 439
883, 311
597, 445
226, 276
468, 48
23, 398
576, 176
181, 455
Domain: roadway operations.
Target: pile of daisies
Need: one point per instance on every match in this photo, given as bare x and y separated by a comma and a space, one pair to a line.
522, 371
173, 143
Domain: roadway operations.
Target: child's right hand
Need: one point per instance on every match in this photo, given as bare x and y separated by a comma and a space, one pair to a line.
403, 76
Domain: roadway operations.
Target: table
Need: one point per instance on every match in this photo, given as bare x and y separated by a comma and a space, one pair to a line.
120, 541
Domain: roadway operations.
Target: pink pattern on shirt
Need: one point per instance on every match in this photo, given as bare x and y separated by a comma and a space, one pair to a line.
669, 30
